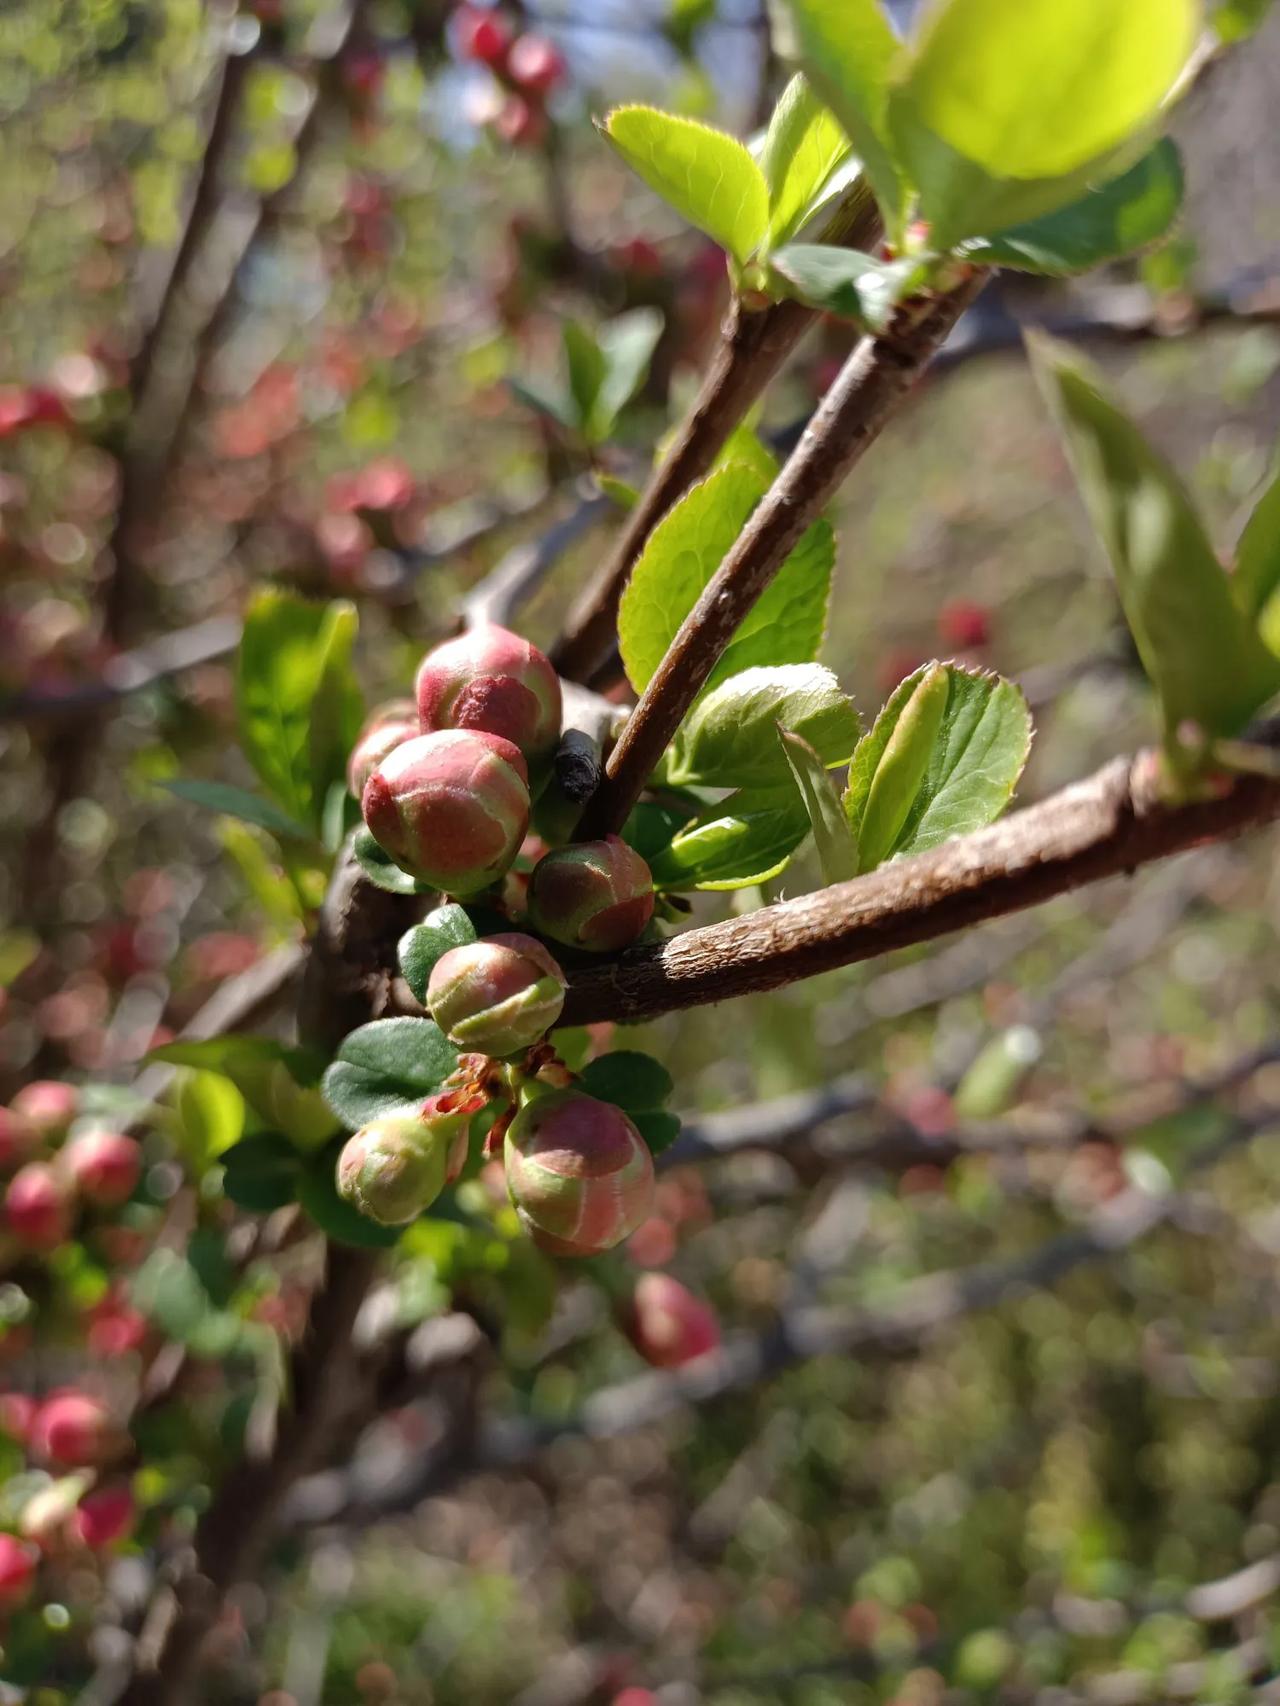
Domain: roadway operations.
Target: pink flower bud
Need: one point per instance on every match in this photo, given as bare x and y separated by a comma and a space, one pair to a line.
668, 1325
73, 1430
37, 1207
597, 895
579, 1173
491, 680
497, 996
17, 1415
392, 1169
104, 1166
103, 1518
534, 64
452, 808
48, 1105
20, 1140
18, 1562
388, 728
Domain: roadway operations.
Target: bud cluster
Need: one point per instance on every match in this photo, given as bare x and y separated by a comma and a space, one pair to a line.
51, 1175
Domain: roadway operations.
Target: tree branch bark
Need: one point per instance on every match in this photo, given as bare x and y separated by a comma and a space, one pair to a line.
1100, 827
870, 387
753, 346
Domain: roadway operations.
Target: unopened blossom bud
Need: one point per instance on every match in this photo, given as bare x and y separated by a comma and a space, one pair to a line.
38, 1207
491, 680
20, 1140
451, 808
388, 728
497, 996
579, 1173
392, 1169
48, 1105
18, 1561
73, 1430
17, 1415
597, 895
104, 1166
103, 1518
667, 1324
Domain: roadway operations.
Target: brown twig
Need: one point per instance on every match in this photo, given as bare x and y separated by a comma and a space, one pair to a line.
870, 387
753, 346
1103, 826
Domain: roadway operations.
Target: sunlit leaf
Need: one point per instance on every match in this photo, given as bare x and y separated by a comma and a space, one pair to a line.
708, 176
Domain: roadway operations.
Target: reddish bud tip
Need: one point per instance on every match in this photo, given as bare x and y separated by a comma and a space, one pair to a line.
481, 35
47, 1105
73, 1430
37, 1207
579, 1173
535, 65
491, 680
669, 1326
20, 1140
388, 728
18, 1561
597, 895
103, 1518
964, 625
104, 1166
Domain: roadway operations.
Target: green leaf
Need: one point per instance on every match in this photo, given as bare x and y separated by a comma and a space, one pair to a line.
959, 198
239, 803
447, 927
277, 1082
1203, 656
1129, 213
318, 1193
739, 843
1257, 573
942, 760
658, 1128
729, 739
261, 1173
802, 146
745, 445
291, 652
209, 1111
708, 176
626, 344
168, 1290
381, 869
837, 852
1036, 88
619, 492
585, 366
1237, 20
337, 712
683, 553
849, 53
388, 1067
994, 1081
630, 1080
846, 282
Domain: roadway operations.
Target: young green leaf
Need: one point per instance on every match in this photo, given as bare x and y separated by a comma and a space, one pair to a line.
1203, 656
707, 175
684, 551
231, 801
585, 367
802, 146
837, 851
951, 744
388, 1067
447, 927
849, 53
1119, 218
626, 345
337, 711
729, 739
842, 281
1257, 573
276, 1081
629, 1079
739, 843
290, 649
1036, 88
744, 445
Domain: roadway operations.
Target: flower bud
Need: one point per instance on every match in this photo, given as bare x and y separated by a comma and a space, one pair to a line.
37, 1207
452, 808
17, 1415
104, 1166
389, 727
392, 1169
73, 1430
497, 996
103, 1518
491, 680
668, 1325
18, 1562
579, 1173
597, 895
20, 1140
47, 1105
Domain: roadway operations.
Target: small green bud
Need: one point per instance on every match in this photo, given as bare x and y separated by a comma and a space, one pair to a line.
498, 996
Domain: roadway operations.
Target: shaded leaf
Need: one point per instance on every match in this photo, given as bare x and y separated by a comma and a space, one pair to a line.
658, 1128
742, 841
845, 282
381, 869
629, 1079
236, 802
388, 1067
837, 851
261, 1174
419, 949
626, 344
1257, 572
729, 739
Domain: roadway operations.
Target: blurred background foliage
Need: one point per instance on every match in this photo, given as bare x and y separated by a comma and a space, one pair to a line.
1022, 1504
